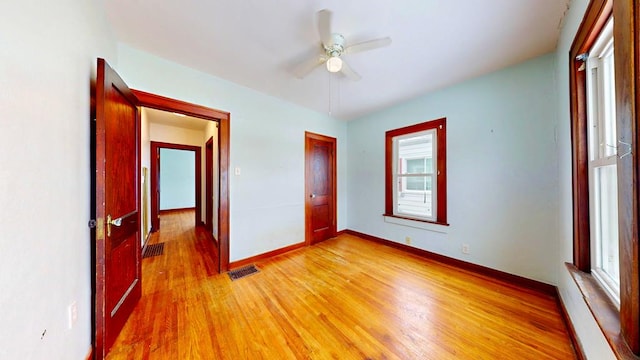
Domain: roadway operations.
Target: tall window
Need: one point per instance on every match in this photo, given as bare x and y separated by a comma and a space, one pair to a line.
603, 184
416, 172
597, 174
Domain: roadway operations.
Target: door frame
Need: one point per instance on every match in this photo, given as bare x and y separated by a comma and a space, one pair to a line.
224, 144
155, 180
308, 175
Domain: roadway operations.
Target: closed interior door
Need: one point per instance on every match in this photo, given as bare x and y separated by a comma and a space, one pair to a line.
320, 185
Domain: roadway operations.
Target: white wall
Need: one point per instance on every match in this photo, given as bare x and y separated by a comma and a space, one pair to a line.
177, 179
267, 144
176, 135
501, 177
48, 56
588, 331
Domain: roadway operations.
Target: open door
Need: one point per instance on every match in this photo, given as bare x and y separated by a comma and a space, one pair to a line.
117, 205
320, 186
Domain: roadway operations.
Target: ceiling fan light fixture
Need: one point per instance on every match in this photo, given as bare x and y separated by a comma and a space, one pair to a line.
334, 64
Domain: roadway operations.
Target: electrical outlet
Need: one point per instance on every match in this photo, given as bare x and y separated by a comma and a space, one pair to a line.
73, 314
465, 248
407, 240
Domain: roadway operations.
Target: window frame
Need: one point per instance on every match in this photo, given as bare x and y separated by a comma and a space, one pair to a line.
440, 172
620, 327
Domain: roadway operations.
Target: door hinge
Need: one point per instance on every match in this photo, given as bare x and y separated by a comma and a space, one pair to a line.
92, 224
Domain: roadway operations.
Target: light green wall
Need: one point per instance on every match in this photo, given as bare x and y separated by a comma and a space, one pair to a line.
177, 179
501, 170
267, 144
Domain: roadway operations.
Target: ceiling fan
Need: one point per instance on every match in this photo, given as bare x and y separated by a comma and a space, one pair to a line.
333, 48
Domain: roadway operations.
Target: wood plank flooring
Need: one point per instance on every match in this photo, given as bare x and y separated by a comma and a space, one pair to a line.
345, 298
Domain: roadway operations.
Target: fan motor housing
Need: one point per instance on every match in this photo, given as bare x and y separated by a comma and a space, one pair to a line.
336, 47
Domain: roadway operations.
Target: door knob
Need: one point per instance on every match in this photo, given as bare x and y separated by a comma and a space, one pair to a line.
312, 196
115, 222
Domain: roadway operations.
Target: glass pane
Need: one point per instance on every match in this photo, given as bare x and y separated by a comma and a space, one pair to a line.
415, 153
415, 203
415, 166
429, 165
607, 221
415, 183
609, 121
415, 163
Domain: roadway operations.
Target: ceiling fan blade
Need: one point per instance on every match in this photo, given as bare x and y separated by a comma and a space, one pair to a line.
304, 68
324, 26
368, 45
348, 72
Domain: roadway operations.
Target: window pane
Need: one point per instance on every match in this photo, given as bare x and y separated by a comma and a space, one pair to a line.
416, 153
415, 183
603, 198
415, 166
415, 203
429, 165
609, 126
607, 221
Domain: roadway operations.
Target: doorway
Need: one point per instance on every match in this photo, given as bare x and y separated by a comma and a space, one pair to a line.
157, 205
223, 120
116, 198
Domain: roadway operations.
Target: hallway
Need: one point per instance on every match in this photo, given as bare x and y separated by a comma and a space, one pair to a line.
189, 258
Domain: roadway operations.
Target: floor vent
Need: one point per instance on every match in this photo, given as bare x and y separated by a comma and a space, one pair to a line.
153, 250
242, 272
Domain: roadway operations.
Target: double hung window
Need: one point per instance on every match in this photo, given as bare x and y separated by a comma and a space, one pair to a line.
416, 172
602, 148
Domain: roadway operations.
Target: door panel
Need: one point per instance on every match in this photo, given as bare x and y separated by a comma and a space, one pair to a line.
320, 180
117, 247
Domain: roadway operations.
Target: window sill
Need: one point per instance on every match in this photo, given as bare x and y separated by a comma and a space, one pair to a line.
604, 311
415, 223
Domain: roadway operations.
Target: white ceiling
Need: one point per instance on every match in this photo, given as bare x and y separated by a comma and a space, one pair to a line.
257, 43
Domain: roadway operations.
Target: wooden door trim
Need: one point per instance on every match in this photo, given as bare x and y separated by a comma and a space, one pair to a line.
167, 104
307, 184
155, 176
224, 144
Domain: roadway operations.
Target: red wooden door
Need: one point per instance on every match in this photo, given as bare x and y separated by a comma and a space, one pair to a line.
320, 185
118, 266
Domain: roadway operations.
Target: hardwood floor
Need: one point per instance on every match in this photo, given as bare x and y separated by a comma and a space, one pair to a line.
345, 298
